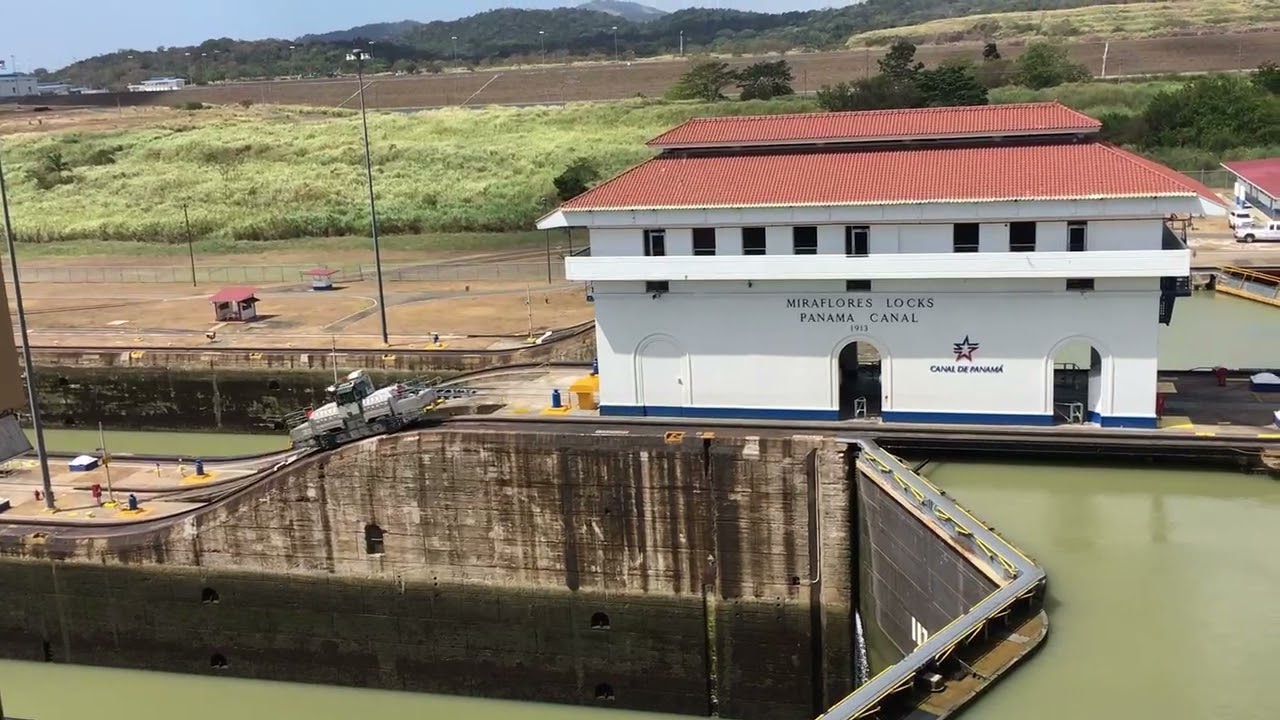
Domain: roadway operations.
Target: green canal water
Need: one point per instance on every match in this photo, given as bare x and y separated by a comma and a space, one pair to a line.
1162, 604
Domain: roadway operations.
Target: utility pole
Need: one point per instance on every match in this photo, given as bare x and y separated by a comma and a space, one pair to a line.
360, 55
26, 349
333, 360
548, 236
528, 302
106, 465
186, 218
615, 43
542, 46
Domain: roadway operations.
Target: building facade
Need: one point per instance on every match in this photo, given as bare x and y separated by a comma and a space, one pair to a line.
994, 265
1257, 182
164, 84
17, 85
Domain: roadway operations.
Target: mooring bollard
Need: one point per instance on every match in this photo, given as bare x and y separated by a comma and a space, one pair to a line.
199, 468
133, 501
595, 366
555, 399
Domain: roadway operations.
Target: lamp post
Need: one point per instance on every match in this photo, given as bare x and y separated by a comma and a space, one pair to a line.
615, 43
186, 218
360, 55
26, 349
454, 38
542, 46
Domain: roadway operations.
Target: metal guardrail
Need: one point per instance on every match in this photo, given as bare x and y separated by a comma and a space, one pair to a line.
1022, 578
1248, 284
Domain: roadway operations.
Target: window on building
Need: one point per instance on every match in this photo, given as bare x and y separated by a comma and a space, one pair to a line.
1080, 284
804, 240
857, 285
857, 240
964, 237
704, 241
1076, 235
657, 286
655, 243
1022, 237
753, 241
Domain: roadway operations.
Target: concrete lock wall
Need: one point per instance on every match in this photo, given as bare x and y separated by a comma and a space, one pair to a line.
703, 577
771, 349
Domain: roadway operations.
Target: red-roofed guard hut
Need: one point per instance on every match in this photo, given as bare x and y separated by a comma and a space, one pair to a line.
997, 264
235, 304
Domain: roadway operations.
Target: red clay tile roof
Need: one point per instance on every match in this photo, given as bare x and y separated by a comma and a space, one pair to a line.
321, 272
233, 294
1264, 174
892, 176
864, 126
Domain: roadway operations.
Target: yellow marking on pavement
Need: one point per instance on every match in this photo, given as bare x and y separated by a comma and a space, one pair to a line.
435, 346
133, 513
562, 410
1169, 422
197, 479
1206, 434
706, 435
1269, 436
520, 409
673, 437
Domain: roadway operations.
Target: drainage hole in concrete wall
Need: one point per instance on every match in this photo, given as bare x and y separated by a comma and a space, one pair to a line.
795, 579
373, 542
68, 419
63, 381
599, 621
273, 384
604, 691
320, 471
218, 661
208, 595
48, 651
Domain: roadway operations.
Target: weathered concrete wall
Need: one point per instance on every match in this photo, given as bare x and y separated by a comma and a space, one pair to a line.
181, 398
723, 567
912, 581
578, 346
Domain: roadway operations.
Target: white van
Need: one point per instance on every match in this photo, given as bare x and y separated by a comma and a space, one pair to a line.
1239, 217
1268, 232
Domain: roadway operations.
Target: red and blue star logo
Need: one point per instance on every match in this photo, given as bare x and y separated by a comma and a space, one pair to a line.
964, 349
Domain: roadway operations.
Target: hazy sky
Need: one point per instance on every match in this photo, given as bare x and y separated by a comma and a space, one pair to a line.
52, 33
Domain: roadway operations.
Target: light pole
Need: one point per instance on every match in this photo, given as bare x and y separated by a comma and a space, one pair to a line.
542, 46
26, 349
681, 43
186, 218
454, 38
615, 43
360, 55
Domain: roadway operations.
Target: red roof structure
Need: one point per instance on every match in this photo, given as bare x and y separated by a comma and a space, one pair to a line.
1262, 174
1023, 119
918, 174
320, 272
234, 295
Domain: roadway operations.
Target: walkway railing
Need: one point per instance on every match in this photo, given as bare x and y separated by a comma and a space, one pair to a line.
1018, 577
1249, 284
248, 274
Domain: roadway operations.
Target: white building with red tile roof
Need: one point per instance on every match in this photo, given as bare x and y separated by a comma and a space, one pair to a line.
1258, 184
749, 268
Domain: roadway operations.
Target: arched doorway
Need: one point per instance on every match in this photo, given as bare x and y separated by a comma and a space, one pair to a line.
860, 380
1078, 372
661, 375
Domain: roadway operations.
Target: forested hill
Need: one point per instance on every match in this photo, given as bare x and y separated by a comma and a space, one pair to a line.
513, 35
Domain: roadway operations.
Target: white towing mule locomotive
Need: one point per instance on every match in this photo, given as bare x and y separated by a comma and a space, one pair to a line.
358, 410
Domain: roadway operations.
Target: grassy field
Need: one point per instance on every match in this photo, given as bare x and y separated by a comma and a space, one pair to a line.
270, 173
1128, 20
290, 182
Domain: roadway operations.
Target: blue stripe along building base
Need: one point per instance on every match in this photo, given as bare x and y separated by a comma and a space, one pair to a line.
890, 416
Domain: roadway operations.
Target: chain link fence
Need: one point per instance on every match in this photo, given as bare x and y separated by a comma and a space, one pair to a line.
268, 274
1217, 178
